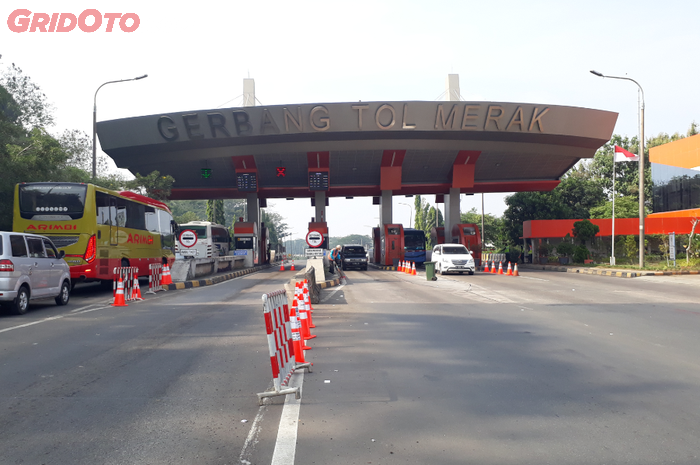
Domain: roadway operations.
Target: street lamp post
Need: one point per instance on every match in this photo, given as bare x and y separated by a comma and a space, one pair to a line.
94, 122
641, 164
410, 221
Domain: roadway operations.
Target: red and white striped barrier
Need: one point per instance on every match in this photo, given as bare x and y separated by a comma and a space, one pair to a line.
279, 340
127, 274
155, 278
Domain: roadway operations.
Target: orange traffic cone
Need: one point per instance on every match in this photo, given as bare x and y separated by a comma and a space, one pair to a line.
493, 268
297, 343
413, 270
305, 332
282, 267
292, 268
510, 271
515, 271
500, 268
486, 267
399, 267
136, 290
119, 296
307, 303
166, 275
408, 268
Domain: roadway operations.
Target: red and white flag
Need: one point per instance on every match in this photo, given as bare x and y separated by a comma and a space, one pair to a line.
624, 155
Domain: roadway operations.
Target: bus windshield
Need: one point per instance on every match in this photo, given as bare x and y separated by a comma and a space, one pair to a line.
414, 240
200, 230
52, 201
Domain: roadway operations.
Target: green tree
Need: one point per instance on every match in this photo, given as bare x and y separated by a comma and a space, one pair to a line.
275, 225
152, 185
626, 173
525, 206
35, 111
630, 246
584, 231
579, 194
418, 207
215, 211
625, 207
186, 217
493, 226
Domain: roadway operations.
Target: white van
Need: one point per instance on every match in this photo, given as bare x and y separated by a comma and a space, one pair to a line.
452, 258
202, 239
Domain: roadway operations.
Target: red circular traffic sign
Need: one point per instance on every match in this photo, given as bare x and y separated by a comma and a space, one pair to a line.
314, 239
188, 238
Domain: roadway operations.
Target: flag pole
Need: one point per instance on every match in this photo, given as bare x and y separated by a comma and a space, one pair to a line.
612, 259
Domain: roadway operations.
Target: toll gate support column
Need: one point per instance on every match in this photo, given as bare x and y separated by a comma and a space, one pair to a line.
385, 211
253, 208
452, 213
320, 201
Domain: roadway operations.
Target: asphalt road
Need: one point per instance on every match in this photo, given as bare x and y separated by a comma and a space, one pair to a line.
168, 380
545, 368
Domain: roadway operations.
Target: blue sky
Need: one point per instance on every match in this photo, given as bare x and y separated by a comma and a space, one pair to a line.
197, 54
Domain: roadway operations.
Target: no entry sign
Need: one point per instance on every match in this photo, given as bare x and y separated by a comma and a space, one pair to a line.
314, 239
188, 238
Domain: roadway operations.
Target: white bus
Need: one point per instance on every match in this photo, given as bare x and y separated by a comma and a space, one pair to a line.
203, 239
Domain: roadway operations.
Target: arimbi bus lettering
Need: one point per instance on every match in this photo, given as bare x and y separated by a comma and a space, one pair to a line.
139, 239
53, 227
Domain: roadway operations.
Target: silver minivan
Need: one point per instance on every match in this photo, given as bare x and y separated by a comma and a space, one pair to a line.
31, 268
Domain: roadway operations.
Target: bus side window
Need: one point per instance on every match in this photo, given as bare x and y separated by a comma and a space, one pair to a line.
165, 222
102, 206
121, 212
151, 220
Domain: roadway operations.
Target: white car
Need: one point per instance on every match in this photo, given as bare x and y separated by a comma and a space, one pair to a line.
452, 258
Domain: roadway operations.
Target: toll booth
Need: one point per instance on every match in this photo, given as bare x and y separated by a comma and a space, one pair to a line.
392, 244
468, 234
321, 227
245, 237
377, 241
437, 235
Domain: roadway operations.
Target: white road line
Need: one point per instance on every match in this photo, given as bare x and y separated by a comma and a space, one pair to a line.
81, 308
286, 445
32, 323
332, 293
252, 438
536, 279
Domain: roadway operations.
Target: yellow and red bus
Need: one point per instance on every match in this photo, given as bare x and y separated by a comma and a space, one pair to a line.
99, 229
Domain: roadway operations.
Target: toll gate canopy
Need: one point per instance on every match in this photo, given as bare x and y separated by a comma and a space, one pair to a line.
358, 149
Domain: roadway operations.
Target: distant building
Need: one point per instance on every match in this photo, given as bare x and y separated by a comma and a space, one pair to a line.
675, 171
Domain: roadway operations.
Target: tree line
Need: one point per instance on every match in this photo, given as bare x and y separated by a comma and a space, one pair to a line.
31, 152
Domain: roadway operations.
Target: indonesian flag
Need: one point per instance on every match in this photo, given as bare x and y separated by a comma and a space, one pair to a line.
623, 155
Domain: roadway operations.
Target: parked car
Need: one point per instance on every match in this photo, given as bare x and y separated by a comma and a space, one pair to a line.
31, 268
452, 258
354, 256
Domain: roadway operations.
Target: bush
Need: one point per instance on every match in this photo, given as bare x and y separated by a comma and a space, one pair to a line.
581, 254
565, 249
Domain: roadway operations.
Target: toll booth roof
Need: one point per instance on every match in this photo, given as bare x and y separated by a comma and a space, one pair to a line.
359, 148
